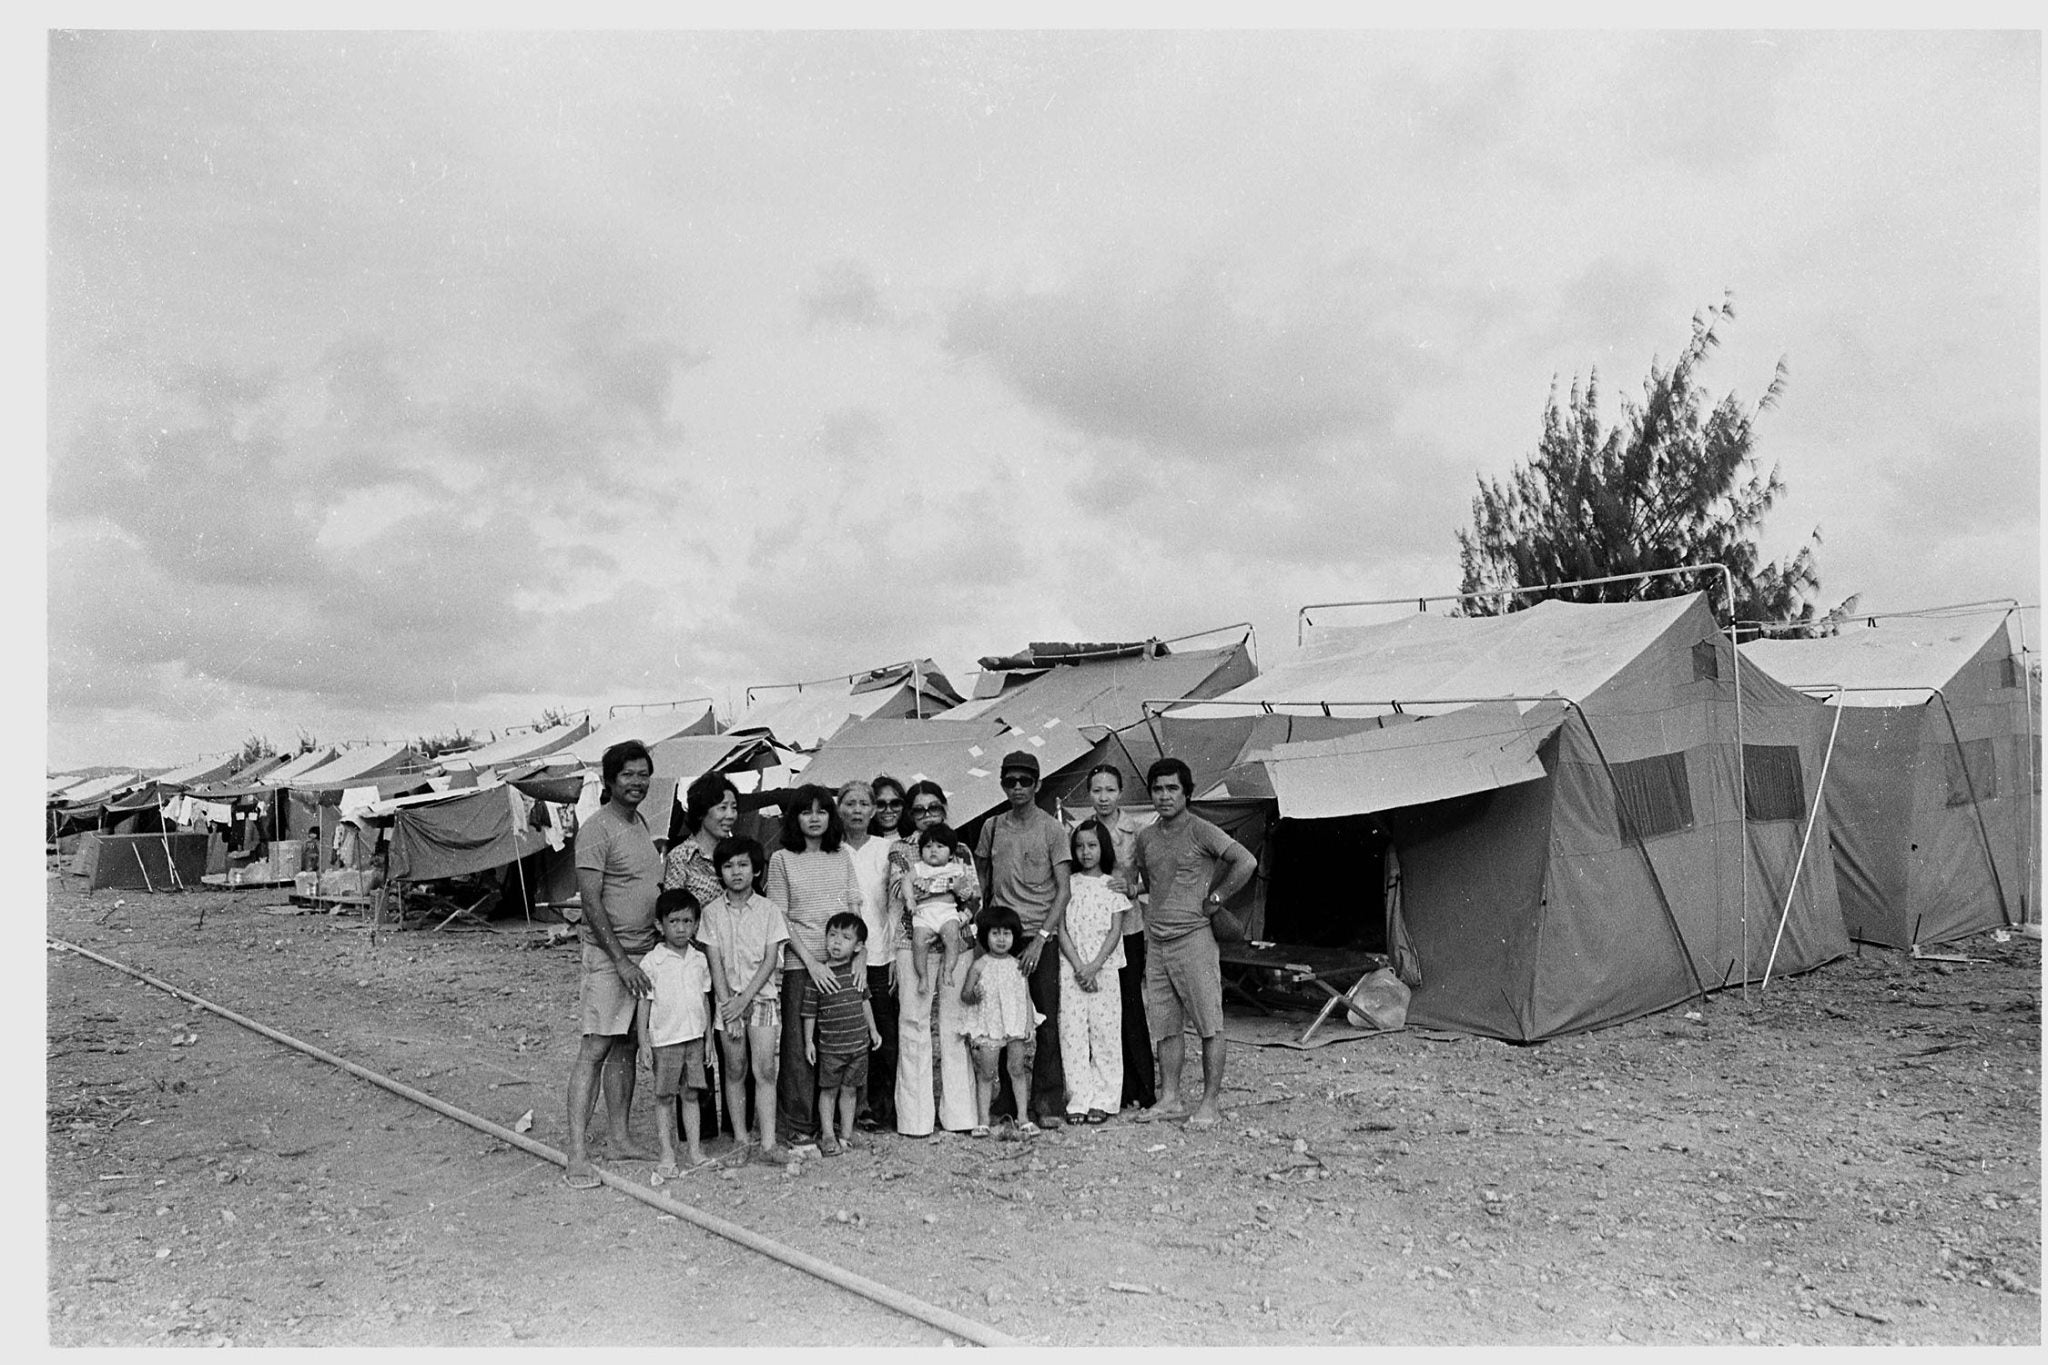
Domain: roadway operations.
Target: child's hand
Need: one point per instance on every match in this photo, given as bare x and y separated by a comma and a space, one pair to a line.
971, 993
732, 1011
1118, 884
874, 1037
647, 1056
1085, 979
811, 1051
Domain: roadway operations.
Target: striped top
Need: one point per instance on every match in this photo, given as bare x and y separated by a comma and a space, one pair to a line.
811, 888
842, 1022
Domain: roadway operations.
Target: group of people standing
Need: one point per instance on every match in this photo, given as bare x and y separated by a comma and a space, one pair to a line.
875, 972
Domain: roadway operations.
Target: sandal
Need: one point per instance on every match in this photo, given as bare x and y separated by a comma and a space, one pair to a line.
1098, 1116
829, 1145
978, 1130
1076, 1120
581, 1182
1028, 1129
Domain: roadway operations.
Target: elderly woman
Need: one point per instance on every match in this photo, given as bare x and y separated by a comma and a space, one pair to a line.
915, 1108
711, 805
870, 854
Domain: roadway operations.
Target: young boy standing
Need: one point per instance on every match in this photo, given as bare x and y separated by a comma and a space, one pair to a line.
671, 1024
743, 934
839, 1029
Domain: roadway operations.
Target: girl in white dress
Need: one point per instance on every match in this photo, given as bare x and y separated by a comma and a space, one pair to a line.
1091, 1006
999, 1021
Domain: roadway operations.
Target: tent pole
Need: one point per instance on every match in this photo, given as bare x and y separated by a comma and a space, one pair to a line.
1976, 806
2028, 805
1670, 916
1812, 815
169, 862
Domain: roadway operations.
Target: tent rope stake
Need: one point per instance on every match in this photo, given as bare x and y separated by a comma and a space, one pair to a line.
930, 1314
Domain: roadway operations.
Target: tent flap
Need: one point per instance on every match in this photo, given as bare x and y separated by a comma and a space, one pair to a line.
1409, 765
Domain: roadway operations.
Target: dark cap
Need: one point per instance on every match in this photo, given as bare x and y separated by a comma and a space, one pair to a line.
1020, 761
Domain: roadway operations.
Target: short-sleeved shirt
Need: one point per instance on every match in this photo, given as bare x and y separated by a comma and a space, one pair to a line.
689, 867
811, 888
1178, 863
619, 847
842, 1023
1123, 837
1021, 862
742, 938
679, 1010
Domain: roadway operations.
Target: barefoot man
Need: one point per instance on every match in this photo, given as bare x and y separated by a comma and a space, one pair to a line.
1190, 868
618, 874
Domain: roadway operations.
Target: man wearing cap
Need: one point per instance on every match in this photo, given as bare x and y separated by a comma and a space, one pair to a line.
1024, 861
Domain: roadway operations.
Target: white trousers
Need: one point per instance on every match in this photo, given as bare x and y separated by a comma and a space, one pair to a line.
914, 1075
957, 1109
1092, 1041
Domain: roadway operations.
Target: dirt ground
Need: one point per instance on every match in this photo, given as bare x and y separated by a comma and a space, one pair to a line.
1853, 1159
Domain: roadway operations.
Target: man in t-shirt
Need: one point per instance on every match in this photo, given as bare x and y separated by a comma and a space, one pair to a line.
1189, 868
618, 877
1024, 862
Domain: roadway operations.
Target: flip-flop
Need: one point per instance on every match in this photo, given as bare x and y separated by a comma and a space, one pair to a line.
1028, 1129
581, 1182
1157, 1115
978, 1130
663, 1174
1195, 1121
1097, 1116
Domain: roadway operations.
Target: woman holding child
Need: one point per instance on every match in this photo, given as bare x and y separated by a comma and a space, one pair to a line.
812, 878
939, 990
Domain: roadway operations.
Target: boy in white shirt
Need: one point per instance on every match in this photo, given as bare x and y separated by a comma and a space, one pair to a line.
672, 1023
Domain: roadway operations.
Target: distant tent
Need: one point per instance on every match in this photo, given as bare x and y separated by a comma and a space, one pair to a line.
804, 715
649, 727
1546, 868
351, 767
1101, 690
514, 748
1934, 793
962, 756
196, 773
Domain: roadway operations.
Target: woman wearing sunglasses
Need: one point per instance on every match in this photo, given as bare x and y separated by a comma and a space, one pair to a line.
917, 1106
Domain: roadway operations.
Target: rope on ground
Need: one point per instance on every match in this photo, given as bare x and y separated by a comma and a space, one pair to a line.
945, 1320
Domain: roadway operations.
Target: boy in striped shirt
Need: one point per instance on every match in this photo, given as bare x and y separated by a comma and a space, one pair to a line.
839, 1029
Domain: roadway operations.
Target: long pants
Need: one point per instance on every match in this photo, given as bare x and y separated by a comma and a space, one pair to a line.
1048, 1077
880, 1100
914, 1092
957, 1109
1139, 1082
796, 1088
1091, 1043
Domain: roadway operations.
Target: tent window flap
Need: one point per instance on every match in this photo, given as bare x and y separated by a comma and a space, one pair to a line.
1654, 796
1982, 777
1773, 788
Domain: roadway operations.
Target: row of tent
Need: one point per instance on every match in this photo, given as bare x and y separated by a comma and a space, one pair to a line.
1553, 820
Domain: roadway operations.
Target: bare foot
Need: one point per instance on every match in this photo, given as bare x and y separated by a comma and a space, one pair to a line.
581, 1175
625, 1149
1169, 1107
1205, 1116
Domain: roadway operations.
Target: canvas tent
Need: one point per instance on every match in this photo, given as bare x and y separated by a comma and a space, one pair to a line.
803, 715
960, 755
1548, 867
352, 767
514, 748
649, 727
1933, 797
1101, 691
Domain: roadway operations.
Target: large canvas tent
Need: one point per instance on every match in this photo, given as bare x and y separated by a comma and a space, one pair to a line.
804, 715
1549, 866
1933, 793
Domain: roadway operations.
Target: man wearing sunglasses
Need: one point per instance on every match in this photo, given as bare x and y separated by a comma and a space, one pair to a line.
1024, 861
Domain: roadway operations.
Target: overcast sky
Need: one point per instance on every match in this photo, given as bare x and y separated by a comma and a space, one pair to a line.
401, 382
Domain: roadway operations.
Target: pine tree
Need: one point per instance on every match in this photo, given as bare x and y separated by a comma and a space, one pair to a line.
1674, 483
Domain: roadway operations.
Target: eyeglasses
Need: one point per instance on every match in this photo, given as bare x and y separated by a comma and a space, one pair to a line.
1018, 780
927, 810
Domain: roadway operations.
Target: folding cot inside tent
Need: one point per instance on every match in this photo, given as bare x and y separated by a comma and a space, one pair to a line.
1555, 875
1936, 795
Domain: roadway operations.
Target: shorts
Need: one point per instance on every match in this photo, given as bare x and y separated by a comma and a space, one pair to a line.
677, 1067
1183, 983
604, 1005
843, 1069
765, 1012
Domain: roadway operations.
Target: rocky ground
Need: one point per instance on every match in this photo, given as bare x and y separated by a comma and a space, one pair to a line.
1852, 1159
